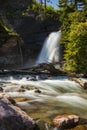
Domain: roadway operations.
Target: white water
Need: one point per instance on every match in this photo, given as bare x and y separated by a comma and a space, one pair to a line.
51, 49
58, 95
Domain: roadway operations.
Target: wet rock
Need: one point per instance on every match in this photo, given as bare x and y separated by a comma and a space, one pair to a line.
2, 95
1, 89
80, 82
29, 87
13, 118
85, 75
37, 91
21, 89
83, 121
80, 127
12, 100
20, 99
42, 125
31, 79
66, 121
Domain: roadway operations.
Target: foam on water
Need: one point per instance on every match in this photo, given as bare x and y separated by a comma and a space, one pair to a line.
73, 100
58, 93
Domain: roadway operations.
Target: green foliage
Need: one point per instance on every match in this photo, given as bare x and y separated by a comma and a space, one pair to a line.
77, 16
50, 12
66, 22
36, 7
62, 4
7, 30
74, 37
49, 9
76, 48
39, 9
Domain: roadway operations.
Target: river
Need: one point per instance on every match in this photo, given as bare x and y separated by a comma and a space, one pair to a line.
46, 98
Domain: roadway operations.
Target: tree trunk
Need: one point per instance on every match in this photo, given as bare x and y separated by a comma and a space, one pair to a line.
41, 2
45, 4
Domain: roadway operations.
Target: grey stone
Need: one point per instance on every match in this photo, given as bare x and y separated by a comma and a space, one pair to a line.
13, 118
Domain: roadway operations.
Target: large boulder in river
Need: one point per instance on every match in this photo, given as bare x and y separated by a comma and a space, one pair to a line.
13, 118
64, 122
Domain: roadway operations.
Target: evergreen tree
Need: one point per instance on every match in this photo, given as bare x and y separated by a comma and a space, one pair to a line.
78, 4
45, 3
41, 2
73, 16
76, 49
62, 4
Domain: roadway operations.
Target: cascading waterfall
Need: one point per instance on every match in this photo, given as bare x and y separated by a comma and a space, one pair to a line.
51, 49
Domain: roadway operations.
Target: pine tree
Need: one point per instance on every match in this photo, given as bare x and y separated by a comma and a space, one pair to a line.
62, 4
45, 3
41, 2
76, 48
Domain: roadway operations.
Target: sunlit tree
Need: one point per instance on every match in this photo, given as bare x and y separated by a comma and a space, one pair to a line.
76, 48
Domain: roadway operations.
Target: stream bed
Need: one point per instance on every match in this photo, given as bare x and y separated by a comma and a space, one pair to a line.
46, 97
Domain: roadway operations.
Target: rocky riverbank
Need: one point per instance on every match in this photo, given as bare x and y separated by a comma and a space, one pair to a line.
44, 96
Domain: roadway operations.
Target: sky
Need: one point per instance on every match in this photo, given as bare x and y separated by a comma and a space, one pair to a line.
53, 3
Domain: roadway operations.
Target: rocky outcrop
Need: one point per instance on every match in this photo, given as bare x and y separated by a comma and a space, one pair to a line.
10, 52
22, 50
34, 29
42, 125
14, 4
13, 118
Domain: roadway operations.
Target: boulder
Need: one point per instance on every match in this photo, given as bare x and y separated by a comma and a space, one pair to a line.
63, 122
13, 118
81, 82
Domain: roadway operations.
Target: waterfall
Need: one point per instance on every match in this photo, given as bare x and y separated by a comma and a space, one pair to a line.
51, 49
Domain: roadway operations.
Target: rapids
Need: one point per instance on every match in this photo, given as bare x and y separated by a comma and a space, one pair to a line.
57, 95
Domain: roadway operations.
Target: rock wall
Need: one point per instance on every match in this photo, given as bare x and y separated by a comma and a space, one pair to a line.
10, 52
15, 4
22, 51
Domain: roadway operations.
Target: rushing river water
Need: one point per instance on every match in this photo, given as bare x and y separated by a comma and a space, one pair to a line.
46, 98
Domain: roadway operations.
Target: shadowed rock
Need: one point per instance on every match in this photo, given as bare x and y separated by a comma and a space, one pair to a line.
37, 91
13, 118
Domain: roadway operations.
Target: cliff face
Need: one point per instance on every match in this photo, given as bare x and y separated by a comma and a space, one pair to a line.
34, 31
18, 51
10, 44
14, 4
21, 50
